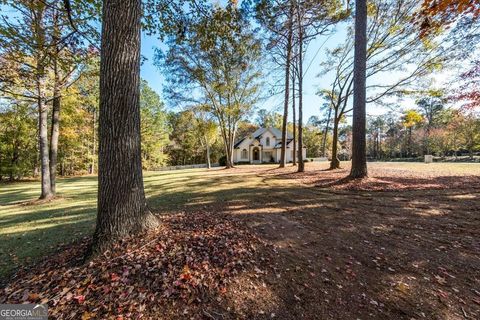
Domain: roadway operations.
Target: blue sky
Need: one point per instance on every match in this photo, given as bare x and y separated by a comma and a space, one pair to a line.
315, 54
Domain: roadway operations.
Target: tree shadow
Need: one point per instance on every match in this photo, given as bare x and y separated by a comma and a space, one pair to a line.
336, 254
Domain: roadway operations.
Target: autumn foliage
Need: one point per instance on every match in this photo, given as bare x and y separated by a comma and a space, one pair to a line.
438, 13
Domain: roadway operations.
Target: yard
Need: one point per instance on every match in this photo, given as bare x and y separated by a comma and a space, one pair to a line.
403, 244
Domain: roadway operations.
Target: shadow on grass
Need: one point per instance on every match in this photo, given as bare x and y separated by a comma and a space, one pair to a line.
367, 254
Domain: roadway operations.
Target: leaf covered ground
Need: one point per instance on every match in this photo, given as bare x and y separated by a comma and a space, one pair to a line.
256, 242
187, 266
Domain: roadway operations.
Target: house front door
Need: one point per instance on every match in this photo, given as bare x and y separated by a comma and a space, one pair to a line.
256, 154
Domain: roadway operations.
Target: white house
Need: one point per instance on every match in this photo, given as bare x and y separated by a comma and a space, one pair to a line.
263, 146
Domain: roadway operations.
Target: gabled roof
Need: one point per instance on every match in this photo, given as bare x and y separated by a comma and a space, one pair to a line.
276, 132
260, 131
279, 144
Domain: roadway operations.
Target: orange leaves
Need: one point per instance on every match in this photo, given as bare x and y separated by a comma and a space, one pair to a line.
191, 258
80, 299
437, 13
114, 277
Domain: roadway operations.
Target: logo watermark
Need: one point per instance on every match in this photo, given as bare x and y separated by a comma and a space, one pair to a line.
23, 312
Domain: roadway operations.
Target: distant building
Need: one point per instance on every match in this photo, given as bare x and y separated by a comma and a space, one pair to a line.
263, 146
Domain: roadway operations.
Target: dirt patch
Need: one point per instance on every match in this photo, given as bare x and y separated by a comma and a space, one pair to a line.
380, 178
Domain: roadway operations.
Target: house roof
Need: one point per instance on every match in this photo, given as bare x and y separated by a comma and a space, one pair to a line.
260, 131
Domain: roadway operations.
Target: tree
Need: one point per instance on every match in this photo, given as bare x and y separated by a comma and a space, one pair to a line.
313, 19
215, 62
36, 42
435, 15
153, 126
359, 158
18, 149
24, 44
470, 132
268, 119
431, 107
393, 47
410, 119
122, 207
277, 18
375, 129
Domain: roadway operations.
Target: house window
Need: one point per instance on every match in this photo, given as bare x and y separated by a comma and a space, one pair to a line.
244, 154
267, 142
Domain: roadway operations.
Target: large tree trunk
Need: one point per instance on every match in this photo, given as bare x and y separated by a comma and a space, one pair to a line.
301, 163
287, 90
55, 126
359, 159
122, 207
42, 107
43, 143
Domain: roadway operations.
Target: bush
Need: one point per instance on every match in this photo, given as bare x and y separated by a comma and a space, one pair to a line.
222, 161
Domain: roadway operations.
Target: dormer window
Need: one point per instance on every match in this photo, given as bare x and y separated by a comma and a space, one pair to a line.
267, 142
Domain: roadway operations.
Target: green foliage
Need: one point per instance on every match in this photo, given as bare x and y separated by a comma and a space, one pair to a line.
154, 128
214, 62
18, 146
268, 119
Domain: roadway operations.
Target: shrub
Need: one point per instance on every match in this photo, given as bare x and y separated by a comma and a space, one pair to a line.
222, 161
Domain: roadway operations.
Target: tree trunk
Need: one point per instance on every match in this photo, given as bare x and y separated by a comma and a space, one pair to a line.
55, 127
301, 163
42, 107
122, 207
94, 142
43, 142
335, 163
209, 165
294, 158
325, 133
359, 159
287, 90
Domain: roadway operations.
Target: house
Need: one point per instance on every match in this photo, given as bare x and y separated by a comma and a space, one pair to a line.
263, 146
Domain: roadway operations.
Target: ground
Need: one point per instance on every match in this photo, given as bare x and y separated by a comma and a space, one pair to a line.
258, 242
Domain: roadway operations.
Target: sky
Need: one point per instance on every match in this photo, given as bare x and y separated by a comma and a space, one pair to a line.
314, 55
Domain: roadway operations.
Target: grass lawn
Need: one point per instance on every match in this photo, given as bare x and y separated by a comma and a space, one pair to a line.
403, 244
29, 230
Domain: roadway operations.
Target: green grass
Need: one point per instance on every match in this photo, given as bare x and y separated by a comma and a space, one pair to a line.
29, 230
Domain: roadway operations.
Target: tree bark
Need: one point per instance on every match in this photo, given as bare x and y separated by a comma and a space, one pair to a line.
209, 165
294, 158
94, 141
46, 192
287, 90
325, 133
335, 163
301, 163
359, 159
55, 127
56, 103
122, 208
